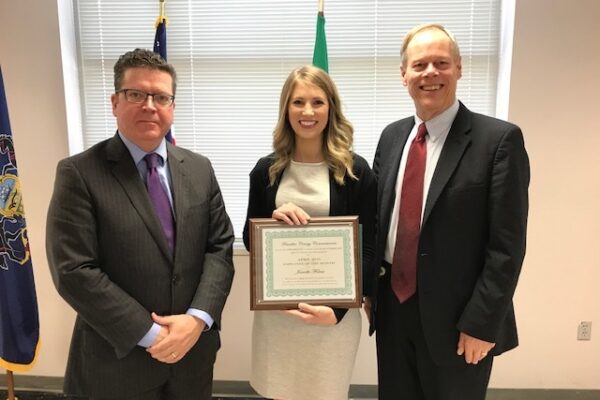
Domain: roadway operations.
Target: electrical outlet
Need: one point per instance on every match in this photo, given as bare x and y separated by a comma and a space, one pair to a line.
584, 330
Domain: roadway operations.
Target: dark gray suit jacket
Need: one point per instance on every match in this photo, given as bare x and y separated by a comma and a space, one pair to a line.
472, 240
110, 261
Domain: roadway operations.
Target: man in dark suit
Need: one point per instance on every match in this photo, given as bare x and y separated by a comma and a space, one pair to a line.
448, 259
148, 280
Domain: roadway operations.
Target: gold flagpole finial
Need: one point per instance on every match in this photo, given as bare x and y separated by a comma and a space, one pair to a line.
161, 17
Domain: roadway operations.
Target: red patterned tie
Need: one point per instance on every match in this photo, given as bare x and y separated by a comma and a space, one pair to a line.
404, 264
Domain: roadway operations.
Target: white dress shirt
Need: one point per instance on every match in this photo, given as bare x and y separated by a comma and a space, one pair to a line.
437, 132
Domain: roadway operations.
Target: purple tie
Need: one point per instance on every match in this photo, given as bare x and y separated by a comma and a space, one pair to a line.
159, 198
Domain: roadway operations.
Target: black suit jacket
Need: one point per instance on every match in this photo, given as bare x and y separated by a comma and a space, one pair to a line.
355, 197
110, 261
472, 240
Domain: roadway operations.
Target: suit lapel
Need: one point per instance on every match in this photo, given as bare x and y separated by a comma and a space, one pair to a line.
180, 191
126, 173
456, 143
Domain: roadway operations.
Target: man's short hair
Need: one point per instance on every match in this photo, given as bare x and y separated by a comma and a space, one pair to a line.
428, 27
142, 58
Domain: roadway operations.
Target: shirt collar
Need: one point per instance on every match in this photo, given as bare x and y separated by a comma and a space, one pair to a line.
138, 154
440, 125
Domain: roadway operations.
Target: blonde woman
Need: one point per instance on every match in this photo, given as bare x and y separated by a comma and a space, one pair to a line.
309, 353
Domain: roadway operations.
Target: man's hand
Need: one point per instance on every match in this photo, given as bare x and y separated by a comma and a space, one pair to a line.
183, 331
314, 315
163, 333
474, 349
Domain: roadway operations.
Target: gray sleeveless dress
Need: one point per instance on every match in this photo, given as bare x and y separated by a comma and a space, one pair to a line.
292, 360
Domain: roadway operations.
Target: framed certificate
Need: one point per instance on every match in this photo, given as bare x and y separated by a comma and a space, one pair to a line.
317, 263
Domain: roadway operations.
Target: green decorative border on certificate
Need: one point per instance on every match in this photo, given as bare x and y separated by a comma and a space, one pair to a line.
333, 247
309, 234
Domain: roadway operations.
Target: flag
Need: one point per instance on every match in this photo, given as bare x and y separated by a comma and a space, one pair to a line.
320, 53
19, 323
160, 38
160, 47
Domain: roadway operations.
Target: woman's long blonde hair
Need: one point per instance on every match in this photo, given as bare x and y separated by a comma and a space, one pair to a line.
337, 135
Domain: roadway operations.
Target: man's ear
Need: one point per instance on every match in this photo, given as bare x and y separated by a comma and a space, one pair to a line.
402, 75
114, 100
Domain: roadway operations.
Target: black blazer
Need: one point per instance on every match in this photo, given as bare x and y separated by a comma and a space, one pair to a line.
110, 261
472, 241
355, 197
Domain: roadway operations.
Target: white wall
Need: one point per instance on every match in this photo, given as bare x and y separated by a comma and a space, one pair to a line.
553, 98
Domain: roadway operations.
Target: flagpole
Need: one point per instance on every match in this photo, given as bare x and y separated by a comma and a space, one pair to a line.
10, 385
161, 15
321, 6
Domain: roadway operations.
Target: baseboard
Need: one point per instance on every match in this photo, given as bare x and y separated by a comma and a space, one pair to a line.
53, 384
542, 394
243, 388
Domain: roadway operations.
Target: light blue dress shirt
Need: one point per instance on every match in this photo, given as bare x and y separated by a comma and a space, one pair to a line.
163, 171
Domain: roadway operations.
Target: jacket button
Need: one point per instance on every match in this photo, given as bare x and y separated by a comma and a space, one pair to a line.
174, 279
424, 254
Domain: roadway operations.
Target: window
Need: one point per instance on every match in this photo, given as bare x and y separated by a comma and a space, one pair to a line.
233, 56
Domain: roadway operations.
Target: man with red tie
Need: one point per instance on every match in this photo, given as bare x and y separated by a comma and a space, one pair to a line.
451, 227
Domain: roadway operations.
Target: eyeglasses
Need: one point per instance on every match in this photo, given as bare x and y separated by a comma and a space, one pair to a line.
138, 97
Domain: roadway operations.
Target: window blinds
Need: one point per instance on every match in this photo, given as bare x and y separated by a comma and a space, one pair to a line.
233, 56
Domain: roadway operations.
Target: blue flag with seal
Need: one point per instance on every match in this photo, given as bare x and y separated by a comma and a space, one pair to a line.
160, 38
19, 322
160, 47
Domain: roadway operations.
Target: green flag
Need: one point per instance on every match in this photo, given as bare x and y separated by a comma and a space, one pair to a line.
320, 54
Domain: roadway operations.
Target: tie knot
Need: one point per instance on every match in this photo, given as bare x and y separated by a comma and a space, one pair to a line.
421, 132
152, 160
